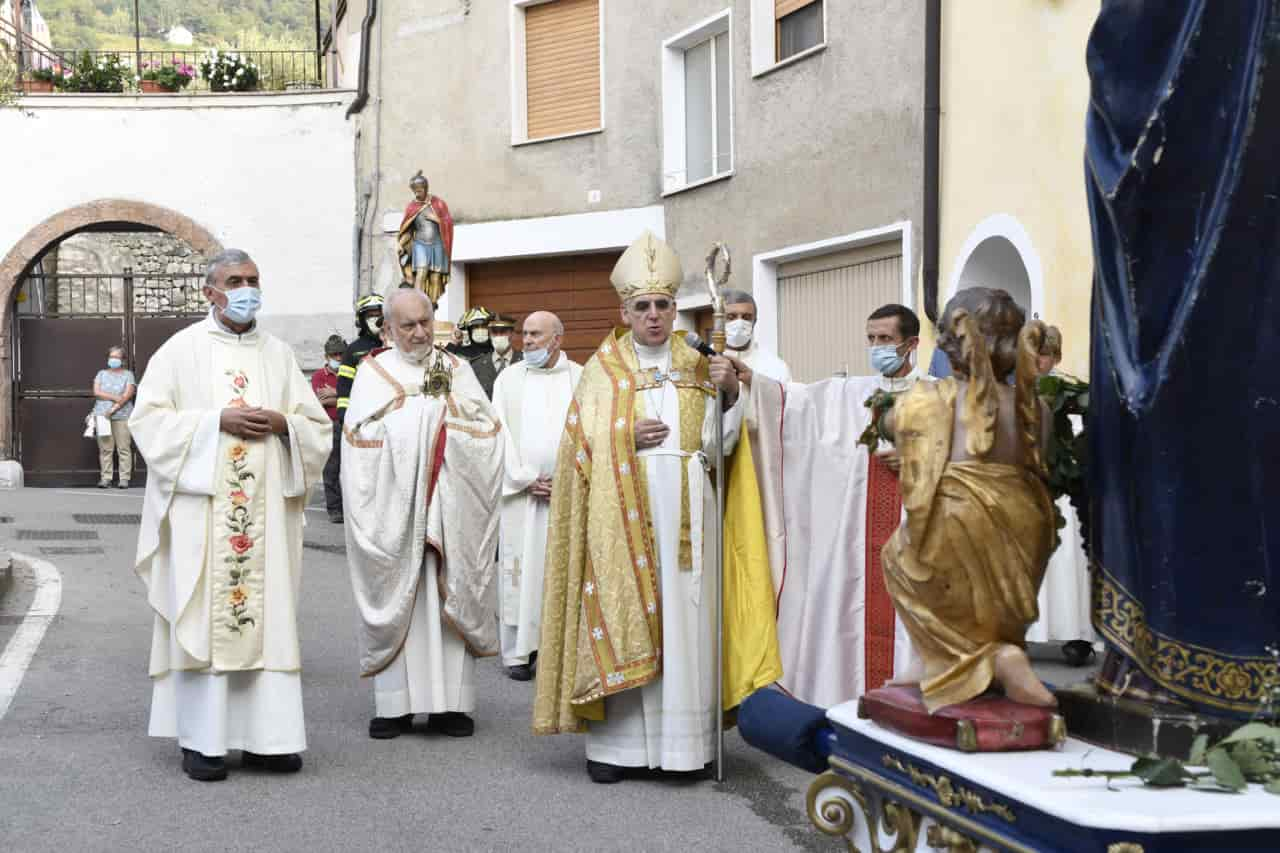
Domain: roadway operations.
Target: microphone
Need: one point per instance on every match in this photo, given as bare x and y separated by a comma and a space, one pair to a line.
697, 343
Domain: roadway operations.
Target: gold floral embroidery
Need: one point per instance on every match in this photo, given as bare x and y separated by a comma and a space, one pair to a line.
1203, 675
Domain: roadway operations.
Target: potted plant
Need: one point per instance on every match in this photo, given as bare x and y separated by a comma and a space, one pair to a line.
159, 77
108, 73
228, 71
39, 80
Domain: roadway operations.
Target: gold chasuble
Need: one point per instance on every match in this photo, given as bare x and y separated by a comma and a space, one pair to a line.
602, 608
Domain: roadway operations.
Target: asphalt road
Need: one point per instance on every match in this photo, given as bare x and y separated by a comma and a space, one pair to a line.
77, 771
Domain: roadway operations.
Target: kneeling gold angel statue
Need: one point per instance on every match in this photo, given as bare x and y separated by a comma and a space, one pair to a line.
965, 567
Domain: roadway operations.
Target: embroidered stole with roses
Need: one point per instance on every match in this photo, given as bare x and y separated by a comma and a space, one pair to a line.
237, 557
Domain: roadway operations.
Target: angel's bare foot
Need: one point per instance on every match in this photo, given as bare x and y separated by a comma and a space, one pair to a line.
1014, 672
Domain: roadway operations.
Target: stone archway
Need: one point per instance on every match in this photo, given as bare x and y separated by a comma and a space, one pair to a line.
18, 260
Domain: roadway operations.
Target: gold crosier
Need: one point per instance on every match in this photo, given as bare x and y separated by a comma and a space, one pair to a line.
715, 284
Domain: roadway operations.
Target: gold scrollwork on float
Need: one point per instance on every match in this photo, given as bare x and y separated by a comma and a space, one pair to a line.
830, 807
1124, 847
941, 837
951, 795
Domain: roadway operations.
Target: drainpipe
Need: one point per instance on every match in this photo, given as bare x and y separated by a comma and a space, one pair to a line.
366, 28
932, 119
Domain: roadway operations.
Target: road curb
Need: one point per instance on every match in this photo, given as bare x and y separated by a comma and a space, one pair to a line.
6, 573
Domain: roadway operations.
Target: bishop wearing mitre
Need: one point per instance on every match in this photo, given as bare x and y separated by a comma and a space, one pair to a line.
627, 651
421, 480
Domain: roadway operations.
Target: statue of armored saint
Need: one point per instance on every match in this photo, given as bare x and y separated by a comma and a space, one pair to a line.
425, 241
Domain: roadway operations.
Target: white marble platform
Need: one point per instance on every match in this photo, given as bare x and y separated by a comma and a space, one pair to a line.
1027, 777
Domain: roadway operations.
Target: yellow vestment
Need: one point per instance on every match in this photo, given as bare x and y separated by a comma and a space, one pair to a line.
602, 607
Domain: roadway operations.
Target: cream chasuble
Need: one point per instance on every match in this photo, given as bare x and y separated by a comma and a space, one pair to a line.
220, 547
827, 515
532, 403
421, 477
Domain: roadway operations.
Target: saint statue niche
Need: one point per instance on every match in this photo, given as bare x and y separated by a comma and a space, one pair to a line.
965, 567
425, 241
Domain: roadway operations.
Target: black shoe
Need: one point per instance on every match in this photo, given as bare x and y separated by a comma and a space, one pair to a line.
336, 517
288, 763
123, 485
605, 774
104, 485
203, 768
451, 723
520, 672
1077, 652
385, 728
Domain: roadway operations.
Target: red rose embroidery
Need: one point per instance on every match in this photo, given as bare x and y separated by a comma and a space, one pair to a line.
240, 543
239, 498
240, 382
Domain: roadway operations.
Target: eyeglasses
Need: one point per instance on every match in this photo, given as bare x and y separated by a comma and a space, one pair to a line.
642, 306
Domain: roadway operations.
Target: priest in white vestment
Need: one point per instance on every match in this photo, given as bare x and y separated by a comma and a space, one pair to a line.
233, 437
1064, 601
532, 398
421, 478
628, 625
829, 507
741, 314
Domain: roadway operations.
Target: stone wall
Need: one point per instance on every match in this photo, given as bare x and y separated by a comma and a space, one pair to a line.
166, 272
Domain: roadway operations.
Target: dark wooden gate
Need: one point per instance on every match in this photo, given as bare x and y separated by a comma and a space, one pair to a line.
63, 327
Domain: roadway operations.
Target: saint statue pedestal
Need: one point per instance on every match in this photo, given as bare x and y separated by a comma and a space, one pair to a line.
1137, 728
886, 792
989, 723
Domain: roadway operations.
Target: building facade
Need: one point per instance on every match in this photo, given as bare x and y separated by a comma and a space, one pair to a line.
557, 130
164, 182
1013, 213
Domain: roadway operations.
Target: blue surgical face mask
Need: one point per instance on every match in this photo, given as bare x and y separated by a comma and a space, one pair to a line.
537, 357
334, 364
242, 304
885, 359
114, 363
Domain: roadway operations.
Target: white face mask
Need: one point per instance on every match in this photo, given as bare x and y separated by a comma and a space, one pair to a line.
501, 343
480, 335
737, 333
537, 357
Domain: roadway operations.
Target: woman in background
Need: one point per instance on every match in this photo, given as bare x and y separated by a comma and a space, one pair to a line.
113, 389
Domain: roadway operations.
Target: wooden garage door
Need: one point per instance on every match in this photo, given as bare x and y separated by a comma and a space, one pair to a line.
575, 288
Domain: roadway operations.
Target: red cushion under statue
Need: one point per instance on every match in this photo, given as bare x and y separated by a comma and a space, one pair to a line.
989, 723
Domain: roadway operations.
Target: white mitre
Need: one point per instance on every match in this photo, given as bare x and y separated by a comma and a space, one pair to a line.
647, 266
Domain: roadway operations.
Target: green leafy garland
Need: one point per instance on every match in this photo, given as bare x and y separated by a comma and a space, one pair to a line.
879, 403
1066, 457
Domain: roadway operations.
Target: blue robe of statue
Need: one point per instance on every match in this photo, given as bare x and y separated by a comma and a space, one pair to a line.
1183, 174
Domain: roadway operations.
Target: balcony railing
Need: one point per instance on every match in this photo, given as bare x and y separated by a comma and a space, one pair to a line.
126, 71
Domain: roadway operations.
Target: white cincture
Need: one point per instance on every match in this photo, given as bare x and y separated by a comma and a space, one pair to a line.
698, 466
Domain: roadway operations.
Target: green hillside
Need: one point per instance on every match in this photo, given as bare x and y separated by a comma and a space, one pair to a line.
249, 24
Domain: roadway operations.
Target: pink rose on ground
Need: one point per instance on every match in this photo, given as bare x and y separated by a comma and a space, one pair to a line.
240, 543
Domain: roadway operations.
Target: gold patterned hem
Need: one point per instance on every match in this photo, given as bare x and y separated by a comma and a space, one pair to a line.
1197, 673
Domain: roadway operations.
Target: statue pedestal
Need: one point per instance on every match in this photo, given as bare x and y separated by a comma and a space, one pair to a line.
1137, 728
884, 792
